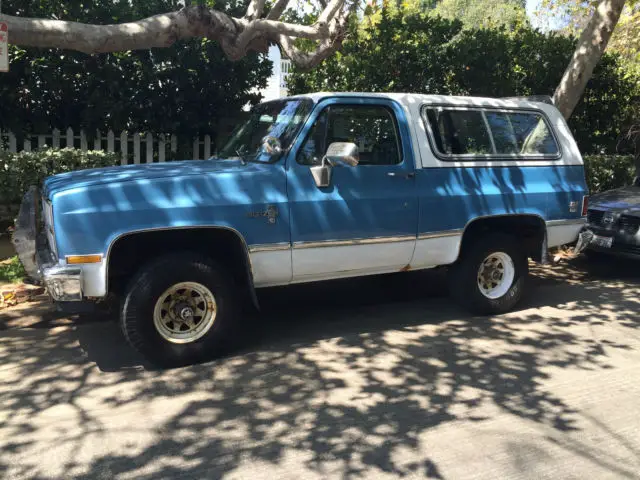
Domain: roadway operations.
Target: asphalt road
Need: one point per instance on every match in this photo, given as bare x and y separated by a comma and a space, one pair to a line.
378, 378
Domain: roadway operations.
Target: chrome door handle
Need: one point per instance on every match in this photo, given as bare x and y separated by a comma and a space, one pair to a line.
401, 175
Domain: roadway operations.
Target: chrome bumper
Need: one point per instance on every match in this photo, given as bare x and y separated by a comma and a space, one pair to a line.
63, 282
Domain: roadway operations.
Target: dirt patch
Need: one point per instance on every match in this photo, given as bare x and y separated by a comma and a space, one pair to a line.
15, 294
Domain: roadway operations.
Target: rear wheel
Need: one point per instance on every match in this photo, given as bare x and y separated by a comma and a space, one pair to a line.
490, 275
179, 310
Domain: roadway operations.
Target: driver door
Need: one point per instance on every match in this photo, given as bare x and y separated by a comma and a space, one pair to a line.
365, 221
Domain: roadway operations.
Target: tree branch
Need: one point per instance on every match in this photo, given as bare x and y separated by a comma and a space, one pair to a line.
330, 11
277, 10
236, 36
333, 41
156, 31
254, 10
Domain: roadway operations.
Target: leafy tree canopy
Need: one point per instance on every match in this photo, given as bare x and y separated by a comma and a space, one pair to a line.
472, 13
484, 13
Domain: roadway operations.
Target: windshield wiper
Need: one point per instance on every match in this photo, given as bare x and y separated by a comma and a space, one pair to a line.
244, 159
240, 156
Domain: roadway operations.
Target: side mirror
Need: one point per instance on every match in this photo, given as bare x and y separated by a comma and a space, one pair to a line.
338, 153
343, 153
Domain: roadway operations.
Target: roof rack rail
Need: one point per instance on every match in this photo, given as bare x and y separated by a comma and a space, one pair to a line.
533, 98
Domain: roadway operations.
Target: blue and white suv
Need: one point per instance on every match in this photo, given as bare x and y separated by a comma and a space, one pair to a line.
310, 188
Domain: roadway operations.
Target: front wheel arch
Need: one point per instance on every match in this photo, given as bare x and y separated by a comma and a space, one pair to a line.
224, 244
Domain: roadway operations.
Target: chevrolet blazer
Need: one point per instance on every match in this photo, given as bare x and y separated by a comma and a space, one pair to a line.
311, 188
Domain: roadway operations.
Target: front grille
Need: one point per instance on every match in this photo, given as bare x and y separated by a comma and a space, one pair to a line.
629, 224
595, 216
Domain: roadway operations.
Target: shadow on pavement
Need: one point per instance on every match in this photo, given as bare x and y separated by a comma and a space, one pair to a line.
343, 373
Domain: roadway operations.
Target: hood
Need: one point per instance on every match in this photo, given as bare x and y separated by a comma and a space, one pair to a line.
101, 176
626, 199
92, 208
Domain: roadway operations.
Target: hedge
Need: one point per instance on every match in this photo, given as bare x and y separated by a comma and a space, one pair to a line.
20, 170
605, 172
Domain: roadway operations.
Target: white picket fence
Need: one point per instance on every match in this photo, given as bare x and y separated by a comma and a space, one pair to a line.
133, 147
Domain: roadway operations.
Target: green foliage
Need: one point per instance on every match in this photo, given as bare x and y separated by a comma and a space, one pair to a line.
416, 52
626, 40
18, 171
11, 271
484, 13
605, 172
472, 13
185, 88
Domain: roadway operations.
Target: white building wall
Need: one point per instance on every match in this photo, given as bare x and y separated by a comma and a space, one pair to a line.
277, 82
272, 91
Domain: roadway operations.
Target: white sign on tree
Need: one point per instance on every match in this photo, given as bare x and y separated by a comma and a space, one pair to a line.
4, 47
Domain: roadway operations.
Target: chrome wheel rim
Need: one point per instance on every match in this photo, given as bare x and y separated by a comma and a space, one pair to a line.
495, 275
185, 312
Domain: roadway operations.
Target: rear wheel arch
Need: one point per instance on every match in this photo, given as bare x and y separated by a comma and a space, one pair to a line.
130, 251
531, 229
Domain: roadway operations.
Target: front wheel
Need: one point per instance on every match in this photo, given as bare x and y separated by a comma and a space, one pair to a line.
179, 310
490, 275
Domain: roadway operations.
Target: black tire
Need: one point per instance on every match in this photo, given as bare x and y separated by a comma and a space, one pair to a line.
146, 287
463, 275
596, 256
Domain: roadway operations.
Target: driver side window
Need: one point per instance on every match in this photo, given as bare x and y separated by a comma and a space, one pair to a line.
372, 128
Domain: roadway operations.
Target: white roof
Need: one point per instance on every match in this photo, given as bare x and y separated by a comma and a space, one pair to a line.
409, 99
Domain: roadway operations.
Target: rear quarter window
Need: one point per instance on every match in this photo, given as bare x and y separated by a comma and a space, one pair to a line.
525, 133
467, 133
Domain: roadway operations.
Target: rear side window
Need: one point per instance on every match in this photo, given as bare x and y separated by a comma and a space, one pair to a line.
459, 132
490, 133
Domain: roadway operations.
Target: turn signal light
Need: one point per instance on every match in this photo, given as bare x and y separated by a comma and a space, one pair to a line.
76, 259
585, 205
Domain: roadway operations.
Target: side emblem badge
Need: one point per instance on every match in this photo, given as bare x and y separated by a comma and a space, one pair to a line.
271, 213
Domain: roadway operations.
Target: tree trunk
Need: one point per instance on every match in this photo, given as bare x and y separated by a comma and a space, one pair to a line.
634, 135
591, 46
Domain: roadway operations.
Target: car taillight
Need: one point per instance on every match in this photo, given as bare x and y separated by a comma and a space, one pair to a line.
585, 205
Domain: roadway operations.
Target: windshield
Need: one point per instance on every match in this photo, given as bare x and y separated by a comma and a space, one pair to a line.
281, 119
